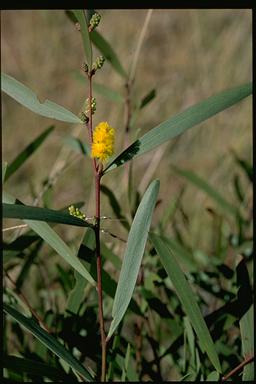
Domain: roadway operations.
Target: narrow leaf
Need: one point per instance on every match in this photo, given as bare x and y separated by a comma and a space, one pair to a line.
133, 255
186, 297
207, 188
79, 14
53, 239
108, 52
246, 166
49, 341
27, 152
184, 255
149, 97
19, 211
35, 368
28, 99
247, 334
180, 123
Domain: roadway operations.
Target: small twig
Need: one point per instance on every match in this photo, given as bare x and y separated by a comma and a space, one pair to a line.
15, 227
25, 301
113, 235
238, 368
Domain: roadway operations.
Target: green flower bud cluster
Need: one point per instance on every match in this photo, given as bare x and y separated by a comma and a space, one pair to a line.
87, 106
76, 212
98, 63
94, 21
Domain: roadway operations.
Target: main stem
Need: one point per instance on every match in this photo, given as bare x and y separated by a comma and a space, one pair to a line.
99, 278
97, 175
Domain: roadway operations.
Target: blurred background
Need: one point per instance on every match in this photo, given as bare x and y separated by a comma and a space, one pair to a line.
186, 56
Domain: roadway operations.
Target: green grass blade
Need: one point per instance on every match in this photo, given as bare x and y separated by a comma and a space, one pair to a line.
247, 334
19, 211
207, 188
148, 98
80, 16
35, 368
28, 99
133, 255
245, 166
186, 297
53, 239
184, 255
27, 152
108, 52
180, 123
49, 341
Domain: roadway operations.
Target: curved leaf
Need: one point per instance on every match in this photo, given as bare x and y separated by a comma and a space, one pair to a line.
48, 340
35, 368
19, 211
133, 255
53, 239
28, 99
27, 152
79, 14
186, 297
180, 123
108, 52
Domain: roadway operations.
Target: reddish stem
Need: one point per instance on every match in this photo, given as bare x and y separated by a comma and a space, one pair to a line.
238, 368
97, 175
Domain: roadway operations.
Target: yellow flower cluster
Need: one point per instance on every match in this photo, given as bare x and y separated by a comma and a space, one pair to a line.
103, 141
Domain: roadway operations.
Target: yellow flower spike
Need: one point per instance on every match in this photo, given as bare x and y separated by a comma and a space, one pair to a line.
103, 141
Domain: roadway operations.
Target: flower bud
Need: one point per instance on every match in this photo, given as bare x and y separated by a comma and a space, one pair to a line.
94, 21
98, 63
87, 106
